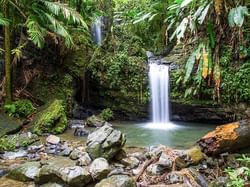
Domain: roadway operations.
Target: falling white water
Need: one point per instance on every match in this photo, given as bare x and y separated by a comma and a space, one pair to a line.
159, 84
97, 31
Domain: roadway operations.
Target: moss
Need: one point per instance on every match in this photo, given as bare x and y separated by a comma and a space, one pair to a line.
11, 142
51, 120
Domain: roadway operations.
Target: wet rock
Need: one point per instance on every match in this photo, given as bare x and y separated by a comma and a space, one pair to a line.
3, 171
130, 162
154, 151
66, 151
7, 125
76, 154
51, 185
74, 123
165, 161
25, 172
84, 160
99, 168
117, 181
35, 148
219, 182
81, 131
155, 169
174, 177
11, 155
63, 171
105, 142
52, 139
95, 121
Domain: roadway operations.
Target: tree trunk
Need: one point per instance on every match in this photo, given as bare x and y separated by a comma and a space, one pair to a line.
229, 137
7, 55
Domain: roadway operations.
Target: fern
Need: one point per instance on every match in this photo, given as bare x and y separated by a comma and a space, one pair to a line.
68, 13
3, 20
35, 31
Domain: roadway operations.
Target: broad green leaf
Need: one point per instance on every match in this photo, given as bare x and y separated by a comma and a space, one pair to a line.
203, 14
185, 3
189, 66
237, 15
181, 29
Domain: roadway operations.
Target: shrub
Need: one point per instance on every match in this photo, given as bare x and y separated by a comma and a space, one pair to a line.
107, 114
20, 108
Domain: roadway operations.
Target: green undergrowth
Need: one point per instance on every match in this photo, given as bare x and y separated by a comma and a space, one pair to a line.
52, 119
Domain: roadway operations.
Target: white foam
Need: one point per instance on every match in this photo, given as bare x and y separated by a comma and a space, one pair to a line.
162, 126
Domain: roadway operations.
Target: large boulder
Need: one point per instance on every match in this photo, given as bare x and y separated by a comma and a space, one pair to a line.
105, 142
25, 172
99, 168
51, 120
117, 181
95, 121
7, 125
63, 171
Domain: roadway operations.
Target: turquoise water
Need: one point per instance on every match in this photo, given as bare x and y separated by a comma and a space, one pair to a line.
177, 135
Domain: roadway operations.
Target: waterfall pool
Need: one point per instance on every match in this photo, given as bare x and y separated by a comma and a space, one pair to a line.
177, 135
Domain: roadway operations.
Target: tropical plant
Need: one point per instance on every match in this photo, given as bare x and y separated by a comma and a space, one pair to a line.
41, 18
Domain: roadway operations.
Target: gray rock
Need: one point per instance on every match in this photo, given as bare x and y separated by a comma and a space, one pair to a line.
117, 181
99, 168
51, 185
76, 154
67, 151
105, 142
64, 172
95, 121
84, 160
74, 123
130, 162
52, 139
25, 172
155, 169
8, 125
81, 131
11, 155
165, 161
174, 177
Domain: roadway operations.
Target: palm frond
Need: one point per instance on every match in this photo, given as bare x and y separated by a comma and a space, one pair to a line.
58, 28
3, 20
35, 31
68, 13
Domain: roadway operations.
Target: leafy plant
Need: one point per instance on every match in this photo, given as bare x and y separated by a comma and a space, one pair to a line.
20, 108
237, 177
107, 114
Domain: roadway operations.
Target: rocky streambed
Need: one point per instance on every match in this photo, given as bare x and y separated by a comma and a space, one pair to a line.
104, 161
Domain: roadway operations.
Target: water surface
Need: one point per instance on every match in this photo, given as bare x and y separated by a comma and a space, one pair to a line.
178, 135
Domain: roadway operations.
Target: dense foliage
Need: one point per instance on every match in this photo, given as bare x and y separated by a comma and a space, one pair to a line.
217, 33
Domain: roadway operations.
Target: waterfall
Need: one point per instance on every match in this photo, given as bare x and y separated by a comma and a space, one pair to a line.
97, 31
159, 85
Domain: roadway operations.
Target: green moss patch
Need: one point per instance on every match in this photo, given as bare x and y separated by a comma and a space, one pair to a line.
53, 119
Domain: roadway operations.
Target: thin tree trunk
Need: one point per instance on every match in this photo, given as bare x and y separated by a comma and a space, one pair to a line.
7, 56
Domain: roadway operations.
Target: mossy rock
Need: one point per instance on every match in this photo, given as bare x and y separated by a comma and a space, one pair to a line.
53, 119
11, 142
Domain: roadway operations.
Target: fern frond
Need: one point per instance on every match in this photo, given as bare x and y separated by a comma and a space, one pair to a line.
58, 28
35, 31
68, 13
3, 20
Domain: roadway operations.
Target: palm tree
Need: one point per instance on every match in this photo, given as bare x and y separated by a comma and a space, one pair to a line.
39, 18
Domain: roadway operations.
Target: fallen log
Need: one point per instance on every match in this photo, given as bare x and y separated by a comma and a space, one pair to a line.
226, 138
